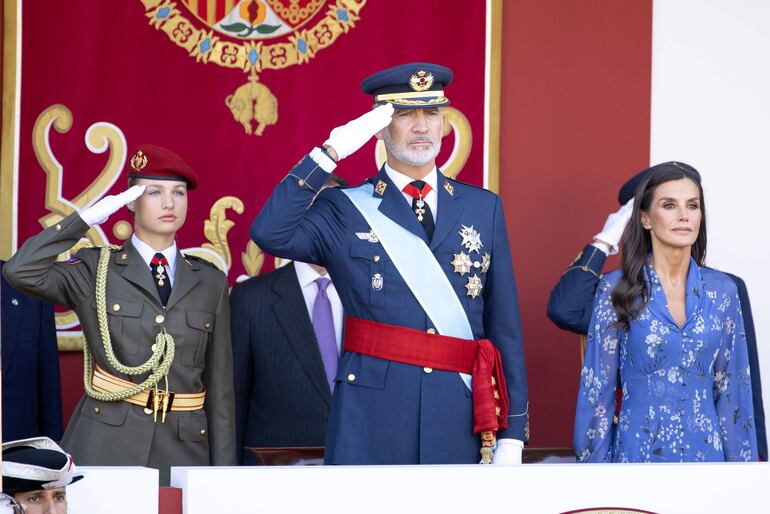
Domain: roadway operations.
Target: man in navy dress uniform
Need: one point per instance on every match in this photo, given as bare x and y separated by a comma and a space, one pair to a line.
571, 302
433, 367
31, 387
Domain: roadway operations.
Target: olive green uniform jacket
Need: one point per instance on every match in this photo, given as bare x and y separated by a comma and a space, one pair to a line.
196, 315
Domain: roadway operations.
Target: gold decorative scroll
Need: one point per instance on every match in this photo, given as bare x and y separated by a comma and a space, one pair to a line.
253, 259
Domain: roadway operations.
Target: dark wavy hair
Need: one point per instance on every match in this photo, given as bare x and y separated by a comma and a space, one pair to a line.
630, 294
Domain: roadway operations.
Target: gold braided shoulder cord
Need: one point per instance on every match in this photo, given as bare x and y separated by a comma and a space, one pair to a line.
159, 363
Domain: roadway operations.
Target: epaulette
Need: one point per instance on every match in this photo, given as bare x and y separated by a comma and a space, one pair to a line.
188, 257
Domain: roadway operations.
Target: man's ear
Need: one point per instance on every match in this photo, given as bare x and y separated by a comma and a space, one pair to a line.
381, 134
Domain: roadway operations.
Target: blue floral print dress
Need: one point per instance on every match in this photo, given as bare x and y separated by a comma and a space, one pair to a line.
686, 393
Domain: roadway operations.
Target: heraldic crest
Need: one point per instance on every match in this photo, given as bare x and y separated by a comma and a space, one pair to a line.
253, 36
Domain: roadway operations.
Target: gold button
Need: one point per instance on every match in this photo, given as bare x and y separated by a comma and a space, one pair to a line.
58, 227
351, 377
300, 183
147, 411
116, 307
207, 325
431, 330
427, 370
159, 318
376, 258
154, 347
203, 432
96, 410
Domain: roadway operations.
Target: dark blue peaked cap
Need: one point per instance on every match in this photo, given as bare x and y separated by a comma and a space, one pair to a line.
628, 190
416, 85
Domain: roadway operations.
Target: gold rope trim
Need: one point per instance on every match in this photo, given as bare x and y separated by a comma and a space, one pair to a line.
409, 94
159, 363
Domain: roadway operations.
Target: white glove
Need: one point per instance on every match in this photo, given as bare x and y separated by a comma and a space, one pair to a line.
508, 451
353, 135
101, 210
615, 225
5, 506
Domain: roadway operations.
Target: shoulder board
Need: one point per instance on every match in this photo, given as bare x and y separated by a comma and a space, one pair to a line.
190, 257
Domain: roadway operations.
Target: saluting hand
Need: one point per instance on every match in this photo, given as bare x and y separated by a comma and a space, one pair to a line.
101, 210
348, 138
614, 227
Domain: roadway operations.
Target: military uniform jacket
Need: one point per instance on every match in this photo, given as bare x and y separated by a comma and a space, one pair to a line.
196, 315
386, 412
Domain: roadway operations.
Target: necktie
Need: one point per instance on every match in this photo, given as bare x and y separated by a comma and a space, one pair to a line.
159, 276
418, 190
323, 326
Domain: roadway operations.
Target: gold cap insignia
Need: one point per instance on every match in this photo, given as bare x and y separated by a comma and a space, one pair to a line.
138, 161
421, 81
380, 188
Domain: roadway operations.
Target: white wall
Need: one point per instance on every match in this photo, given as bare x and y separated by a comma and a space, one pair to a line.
711, 109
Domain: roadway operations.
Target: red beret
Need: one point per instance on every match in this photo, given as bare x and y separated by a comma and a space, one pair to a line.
156, 162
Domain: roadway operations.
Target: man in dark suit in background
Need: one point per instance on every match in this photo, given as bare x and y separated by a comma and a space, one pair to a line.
31, 387
283, 371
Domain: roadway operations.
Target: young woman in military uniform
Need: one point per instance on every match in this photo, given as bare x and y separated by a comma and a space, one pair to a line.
158, 359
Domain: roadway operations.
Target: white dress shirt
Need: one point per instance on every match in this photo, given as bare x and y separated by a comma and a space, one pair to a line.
148, 253
401, 181
307, 276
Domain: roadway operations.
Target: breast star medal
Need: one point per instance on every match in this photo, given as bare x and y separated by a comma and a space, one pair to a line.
485, 262
474, 286
471, 239
462, 263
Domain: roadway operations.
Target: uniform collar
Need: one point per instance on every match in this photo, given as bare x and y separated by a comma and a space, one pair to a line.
401, 181
148, 253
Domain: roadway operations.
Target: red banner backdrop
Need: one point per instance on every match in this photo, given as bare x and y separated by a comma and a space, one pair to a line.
240, 89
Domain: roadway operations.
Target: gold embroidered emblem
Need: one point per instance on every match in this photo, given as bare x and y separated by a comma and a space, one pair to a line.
380, 188
253, 36
421, 81
474, 286
449, 188
138, 161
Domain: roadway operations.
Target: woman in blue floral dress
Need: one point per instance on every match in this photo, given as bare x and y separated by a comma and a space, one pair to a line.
669, 333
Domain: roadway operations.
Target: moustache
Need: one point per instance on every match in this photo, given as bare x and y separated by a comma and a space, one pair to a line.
421, 139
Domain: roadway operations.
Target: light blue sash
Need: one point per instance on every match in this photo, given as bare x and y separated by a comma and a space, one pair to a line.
417, 266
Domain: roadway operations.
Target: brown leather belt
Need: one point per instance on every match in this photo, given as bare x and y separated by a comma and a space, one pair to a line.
107, 383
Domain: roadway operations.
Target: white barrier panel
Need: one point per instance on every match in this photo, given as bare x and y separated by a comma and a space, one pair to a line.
546, 488
114, 490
